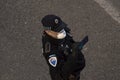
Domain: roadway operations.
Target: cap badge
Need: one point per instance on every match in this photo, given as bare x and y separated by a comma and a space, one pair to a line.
56, 21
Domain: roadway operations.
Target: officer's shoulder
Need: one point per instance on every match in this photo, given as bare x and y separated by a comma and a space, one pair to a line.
43, 33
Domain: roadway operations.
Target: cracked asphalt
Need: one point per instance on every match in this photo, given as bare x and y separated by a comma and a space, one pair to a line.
20, 38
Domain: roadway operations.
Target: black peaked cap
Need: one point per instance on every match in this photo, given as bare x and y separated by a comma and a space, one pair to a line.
54, 22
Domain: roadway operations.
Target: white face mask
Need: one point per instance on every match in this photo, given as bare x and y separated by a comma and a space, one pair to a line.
61, 34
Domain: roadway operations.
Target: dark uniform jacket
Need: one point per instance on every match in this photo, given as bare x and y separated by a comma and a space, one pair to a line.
70, 60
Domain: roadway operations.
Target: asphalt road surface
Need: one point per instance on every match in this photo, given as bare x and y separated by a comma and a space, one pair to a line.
20, 37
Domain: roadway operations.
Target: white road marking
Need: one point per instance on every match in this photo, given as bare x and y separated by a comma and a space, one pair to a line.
110, 9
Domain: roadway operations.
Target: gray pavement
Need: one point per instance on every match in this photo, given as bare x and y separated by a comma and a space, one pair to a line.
116, 3
20, 38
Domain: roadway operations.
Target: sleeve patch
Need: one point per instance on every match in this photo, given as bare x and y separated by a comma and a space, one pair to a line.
53, 61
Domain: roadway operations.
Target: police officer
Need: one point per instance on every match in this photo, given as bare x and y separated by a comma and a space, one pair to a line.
61, 52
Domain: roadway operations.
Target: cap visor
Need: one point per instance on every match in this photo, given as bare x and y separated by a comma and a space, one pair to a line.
62, 26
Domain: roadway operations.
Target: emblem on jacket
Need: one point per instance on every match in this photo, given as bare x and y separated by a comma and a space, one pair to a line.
53, 61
